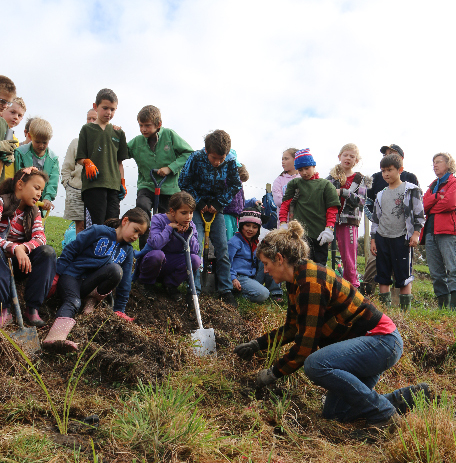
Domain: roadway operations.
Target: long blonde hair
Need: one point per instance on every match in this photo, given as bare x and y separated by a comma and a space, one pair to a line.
337, 173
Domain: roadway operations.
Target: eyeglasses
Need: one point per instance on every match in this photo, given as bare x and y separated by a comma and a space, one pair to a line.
6, 103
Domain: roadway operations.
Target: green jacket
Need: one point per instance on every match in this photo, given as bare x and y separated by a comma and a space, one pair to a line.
170, 151
24, 158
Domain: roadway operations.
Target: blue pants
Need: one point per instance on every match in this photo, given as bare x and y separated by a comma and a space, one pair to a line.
217, 236
441, 258
72, 290
349, 370
39, 280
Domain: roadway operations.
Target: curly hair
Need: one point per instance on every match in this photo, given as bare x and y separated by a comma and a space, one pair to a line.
449, 161
106, 94
291, 244
217, 142
150, 114
18, 100
243, 173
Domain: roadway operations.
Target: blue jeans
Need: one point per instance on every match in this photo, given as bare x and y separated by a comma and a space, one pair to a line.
274, 288
349, 370
441, 258
217, 236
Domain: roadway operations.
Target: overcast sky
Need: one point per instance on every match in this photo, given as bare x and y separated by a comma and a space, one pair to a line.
305, 74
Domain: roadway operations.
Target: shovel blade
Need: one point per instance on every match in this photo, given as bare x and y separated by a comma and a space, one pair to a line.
204, 342
28, 340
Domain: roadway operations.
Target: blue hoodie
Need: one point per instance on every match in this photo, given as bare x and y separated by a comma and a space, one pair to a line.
93, 248
242, 256
209, 185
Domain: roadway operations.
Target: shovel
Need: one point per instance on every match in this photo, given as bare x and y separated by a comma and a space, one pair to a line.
204, 338
157, 189
207, 284
26, 337
41, 204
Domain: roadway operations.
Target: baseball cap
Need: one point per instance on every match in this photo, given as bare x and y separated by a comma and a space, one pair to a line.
392, 147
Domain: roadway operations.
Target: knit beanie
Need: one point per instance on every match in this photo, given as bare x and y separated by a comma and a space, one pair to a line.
249, 215
303, 158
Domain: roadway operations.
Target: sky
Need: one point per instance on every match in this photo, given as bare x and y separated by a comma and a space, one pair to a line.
306, 74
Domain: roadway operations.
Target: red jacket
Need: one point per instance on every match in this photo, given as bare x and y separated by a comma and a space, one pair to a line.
444, 209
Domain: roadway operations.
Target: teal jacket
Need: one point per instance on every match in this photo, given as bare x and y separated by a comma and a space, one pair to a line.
24, 158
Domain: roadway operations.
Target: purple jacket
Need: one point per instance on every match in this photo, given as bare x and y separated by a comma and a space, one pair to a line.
161, 236
238, 203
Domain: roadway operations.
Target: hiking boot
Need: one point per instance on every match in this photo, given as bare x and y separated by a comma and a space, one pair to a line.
5, 317
228, 298
124, 316
173, 293
404, 399
32, 317
405, 301
385, 299
444, 301
148, 291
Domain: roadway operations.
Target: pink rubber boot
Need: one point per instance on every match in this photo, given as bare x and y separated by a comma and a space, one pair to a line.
5, 317
32, 317
56, 339
92, 300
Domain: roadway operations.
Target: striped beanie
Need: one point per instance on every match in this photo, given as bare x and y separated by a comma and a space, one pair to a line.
249, 215
303, 158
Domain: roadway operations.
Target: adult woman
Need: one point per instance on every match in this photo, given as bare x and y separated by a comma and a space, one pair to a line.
439, 232
355, 341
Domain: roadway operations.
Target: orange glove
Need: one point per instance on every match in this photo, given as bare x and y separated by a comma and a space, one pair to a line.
91, 169
123, 189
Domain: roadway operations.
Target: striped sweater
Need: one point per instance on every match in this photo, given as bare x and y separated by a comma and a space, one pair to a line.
323, 308
16, 235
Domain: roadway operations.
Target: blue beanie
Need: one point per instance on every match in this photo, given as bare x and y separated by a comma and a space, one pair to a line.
303, 158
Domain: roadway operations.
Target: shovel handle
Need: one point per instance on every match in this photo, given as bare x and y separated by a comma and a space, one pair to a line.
157, 188
17, 309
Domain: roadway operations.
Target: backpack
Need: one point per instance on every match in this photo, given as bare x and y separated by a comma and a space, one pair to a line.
269, 212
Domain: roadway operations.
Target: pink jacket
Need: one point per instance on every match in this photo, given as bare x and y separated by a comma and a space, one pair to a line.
279, 186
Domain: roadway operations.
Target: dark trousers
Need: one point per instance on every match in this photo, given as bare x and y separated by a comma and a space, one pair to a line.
102, 203
318, 254
73, 290
43, 260
145, 200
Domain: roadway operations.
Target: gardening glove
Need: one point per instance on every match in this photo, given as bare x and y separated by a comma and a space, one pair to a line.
7, 146
90, 169
53, 286
245, 351
326, 236
7, 159
264, 378
123, 189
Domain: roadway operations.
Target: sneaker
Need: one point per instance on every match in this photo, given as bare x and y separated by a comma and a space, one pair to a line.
228, 298
148, 291
124, 316
173, 293
32, 317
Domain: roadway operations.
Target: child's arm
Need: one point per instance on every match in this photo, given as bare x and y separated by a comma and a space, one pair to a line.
284, 211
124, 287
233, 185
418, 216
182, 150
18, 161
159, 234
234, 245
50, 190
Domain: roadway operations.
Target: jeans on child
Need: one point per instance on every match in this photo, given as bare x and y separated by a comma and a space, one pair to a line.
441, 258
253, 289
349, 370
218, 237
73, 290
274, 288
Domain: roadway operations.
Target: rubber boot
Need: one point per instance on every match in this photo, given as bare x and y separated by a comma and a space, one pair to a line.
32, 317
56, 339
405, 301
444, 301
453, 300
385, 299
5, 317
91, 301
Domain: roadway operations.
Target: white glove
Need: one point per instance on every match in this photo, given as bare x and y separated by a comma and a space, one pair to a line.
284, 226
326, 236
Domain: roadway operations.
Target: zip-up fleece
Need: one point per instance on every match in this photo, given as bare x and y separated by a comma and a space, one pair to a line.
413, 210
242, 256
207, 184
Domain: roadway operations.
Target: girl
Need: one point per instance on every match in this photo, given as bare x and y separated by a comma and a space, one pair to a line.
90, 267
343, 341
352, 189
242, 252
162, 257
22, 238
289, 173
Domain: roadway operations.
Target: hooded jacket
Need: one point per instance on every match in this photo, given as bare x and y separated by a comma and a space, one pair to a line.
242, 256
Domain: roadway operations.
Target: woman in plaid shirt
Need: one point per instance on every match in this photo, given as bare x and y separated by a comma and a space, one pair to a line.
343, 341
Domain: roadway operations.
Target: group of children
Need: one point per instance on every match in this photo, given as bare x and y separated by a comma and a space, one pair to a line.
195, 187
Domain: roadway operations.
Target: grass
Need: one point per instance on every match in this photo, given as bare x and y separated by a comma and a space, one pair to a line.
55, 229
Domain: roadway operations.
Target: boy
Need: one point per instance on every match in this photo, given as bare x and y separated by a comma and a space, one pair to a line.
378, 184
156, 148
13, 116
26, 132
37, 154
396, 224
101, 150
213, 181
7, 94
316, 203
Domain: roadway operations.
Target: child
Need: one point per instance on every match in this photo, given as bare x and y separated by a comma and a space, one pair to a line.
99, 260
351, 188
37, 154
316, 205
213, 181
397, 222
26, 132
7, 94
163, 258
23, 240
246, 274
71, 181
101, 150
289, 173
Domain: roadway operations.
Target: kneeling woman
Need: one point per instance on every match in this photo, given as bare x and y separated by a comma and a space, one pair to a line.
99, 260
344, 342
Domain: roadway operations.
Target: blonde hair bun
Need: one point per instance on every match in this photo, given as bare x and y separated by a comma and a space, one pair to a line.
295, 230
